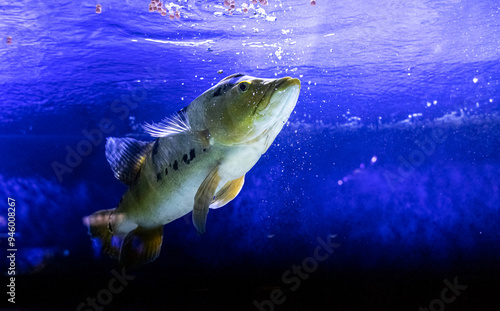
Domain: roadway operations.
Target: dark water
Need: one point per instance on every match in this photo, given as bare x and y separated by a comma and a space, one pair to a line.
391, 156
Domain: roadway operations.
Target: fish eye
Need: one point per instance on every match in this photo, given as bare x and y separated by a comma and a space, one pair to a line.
244, 86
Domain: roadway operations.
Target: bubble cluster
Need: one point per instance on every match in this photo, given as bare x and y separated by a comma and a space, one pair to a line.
98, 8
158, 6
9, 40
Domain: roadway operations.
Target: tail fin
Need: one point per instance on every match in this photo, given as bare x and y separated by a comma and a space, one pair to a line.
139, 247
98, 229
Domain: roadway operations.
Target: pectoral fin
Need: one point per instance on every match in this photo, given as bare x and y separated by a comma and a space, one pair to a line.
203, 198
141, 246
227, 193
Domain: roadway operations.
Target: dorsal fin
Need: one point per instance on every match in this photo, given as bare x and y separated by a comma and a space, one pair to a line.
126, 156
177, 124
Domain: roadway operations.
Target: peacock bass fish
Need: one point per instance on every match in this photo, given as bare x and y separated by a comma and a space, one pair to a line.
198, 161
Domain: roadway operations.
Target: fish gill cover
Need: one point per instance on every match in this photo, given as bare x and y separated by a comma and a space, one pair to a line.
381, 191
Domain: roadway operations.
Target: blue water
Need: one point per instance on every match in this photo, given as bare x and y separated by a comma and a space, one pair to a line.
392, 151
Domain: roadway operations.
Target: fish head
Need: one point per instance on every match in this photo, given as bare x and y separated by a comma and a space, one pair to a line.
243, 109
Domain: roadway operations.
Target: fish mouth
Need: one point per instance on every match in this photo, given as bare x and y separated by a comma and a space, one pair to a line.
273, 110
286, 82
281, 100
279, 93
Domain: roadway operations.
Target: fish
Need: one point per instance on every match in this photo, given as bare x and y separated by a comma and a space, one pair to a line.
197, 161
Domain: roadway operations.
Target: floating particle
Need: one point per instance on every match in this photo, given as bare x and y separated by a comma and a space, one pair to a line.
374, 159
9, 40
220, 71
98, 9
313, 2
475, 80
177, 14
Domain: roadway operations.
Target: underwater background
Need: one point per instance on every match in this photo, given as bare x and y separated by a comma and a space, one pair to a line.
380, 193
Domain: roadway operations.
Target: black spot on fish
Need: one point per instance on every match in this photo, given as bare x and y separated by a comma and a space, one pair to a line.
217, 93
158, 176
121, 200
185, 159
204, 149
166, 171
192, 155
176, 165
